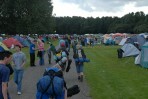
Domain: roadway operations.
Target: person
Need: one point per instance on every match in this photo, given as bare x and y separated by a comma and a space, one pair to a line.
67, 43
49, 55
61, 54
10, 68
74, 43
5, 58
41, 50
79, 63
85, 41
32, 53
53, 49
19, 60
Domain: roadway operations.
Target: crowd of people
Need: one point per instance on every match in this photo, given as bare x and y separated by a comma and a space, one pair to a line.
59, 53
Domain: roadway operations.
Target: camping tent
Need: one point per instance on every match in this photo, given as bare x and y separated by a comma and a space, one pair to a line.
144, 56
117, 40
22, 40
138, 59
11, 41
3, 47
123, 41
1, 39
145, 35
140, 40
117, 35
137, 38
129, 50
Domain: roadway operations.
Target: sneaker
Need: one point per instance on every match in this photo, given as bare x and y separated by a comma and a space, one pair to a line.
19, 93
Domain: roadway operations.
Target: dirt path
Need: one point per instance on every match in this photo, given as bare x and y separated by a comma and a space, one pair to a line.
32, 74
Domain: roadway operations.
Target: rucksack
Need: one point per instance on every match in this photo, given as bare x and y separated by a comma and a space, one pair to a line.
60, 54
73, 90
120, 52
62, 43
51, 83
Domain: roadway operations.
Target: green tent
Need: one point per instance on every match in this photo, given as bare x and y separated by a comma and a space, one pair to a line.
144, 55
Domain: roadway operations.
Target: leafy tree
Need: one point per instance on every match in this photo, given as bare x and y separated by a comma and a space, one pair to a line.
26, 16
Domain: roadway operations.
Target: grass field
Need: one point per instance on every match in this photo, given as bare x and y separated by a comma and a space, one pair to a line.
113, 78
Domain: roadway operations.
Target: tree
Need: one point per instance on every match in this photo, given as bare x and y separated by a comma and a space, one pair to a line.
26, 16
141, 28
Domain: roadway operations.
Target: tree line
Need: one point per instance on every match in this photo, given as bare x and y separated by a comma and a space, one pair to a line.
35, 17
129, 23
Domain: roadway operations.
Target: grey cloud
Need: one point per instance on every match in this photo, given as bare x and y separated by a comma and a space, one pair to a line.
141, 3
105, 5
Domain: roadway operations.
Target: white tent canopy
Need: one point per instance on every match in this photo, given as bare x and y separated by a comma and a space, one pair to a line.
123, 41
129, 50
137, 59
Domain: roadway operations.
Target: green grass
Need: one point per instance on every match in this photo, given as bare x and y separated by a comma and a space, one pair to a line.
113, 78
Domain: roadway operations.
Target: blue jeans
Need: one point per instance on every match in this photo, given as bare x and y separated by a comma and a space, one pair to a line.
79, 67
41, 61
18, 75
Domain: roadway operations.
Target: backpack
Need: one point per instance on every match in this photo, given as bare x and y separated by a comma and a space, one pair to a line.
120, 53
52, 83
60, 54
62, 43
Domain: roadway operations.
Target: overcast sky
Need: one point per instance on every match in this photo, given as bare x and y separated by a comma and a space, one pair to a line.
98, 8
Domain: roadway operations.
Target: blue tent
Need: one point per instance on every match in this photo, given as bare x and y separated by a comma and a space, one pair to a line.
110, 41
137, 39
23, 41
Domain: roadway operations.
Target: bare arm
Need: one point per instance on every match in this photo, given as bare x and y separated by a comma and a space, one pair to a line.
24, 60
5, 90
65, 94
33, 48
23, 63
